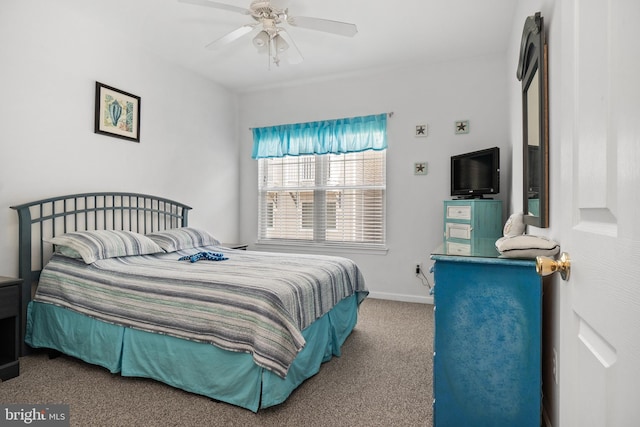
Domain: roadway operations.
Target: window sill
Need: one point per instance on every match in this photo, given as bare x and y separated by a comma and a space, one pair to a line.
319, 247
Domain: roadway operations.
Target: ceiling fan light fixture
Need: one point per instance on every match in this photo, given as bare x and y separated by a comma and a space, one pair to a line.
280, 43
270, 39
261, 39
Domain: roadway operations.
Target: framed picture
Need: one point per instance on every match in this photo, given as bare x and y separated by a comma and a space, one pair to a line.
117, 113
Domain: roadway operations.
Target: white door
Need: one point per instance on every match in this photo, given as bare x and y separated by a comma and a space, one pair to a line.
600, 189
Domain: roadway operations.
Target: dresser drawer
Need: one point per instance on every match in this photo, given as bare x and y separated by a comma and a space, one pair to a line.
458, 212
9, 301
458, 248
458, 231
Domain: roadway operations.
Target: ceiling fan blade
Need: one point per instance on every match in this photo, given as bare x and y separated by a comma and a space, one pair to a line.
217, 5
326, 25
232, 36
292, 54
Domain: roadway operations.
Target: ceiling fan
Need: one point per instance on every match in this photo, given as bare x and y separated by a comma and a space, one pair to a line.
269, 36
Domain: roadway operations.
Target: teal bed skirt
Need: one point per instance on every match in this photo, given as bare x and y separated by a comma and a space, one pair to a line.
192, 366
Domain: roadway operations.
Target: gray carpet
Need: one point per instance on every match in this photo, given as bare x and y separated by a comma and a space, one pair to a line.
383, 378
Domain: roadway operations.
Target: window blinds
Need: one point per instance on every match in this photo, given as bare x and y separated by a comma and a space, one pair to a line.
332, 199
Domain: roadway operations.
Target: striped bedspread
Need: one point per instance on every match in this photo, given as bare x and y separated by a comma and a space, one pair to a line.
254, 302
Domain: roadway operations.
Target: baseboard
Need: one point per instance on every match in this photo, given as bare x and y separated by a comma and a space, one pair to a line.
401, 297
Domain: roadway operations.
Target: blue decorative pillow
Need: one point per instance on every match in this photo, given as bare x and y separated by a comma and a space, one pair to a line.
102, 244
183, 238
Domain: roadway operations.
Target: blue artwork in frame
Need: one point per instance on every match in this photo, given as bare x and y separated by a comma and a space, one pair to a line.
117, 113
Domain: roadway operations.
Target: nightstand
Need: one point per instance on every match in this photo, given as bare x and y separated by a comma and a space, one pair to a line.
9, 327
242, 246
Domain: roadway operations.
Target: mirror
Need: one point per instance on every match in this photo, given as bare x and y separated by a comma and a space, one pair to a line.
532, 72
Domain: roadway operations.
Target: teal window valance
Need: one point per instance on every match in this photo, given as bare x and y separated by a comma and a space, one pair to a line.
339, 136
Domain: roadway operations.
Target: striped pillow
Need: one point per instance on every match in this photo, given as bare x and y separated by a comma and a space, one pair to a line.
183, 238
102, 244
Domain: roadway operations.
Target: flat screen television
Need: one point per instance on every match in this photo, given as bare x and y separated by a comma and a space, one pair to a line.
475, 174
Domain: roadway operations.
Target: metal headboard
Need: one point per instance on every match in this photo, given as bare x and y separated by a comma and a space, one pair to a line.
47, 218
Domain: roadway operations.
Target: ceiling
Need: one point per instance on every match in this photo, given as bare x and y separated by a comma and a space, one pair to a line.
390, 34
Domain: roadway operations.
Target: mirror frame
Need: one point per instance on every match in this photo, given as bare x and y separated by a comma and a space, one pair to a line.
533, 65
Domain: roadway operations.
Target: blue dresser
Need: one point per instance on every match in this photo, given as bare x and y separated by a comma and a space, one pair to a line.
487, 366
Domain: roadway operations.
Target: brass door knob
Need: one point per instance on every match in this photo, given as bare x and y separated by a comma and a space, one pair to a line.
546, 266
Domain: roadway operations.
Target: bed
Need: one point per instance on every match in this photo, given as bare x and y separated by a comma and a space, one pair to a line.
122, 281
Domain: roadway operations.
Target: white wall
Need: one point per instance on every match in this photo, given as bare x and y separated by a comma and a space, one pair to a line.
436, 95
191, 129
51, 58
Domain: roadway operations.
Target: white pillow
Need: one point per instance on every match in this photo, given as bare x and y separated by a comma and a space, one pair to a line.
526, 246
515, 225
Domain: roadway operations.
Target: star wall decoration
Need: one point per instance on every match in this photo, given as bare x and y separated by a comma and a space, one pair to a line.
420, 168
421, 130
462, 126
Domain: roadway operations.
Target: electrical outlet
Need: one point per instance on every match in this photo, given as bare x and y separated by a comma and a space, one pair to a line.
418, 269
555, 366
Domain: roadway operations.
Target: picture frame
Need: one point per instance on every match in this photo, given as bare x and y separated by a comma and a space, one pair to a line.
117, 113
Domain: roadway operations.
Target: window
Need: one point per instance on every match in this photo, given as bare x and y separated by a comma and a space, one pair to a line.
328, 198
323, 182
